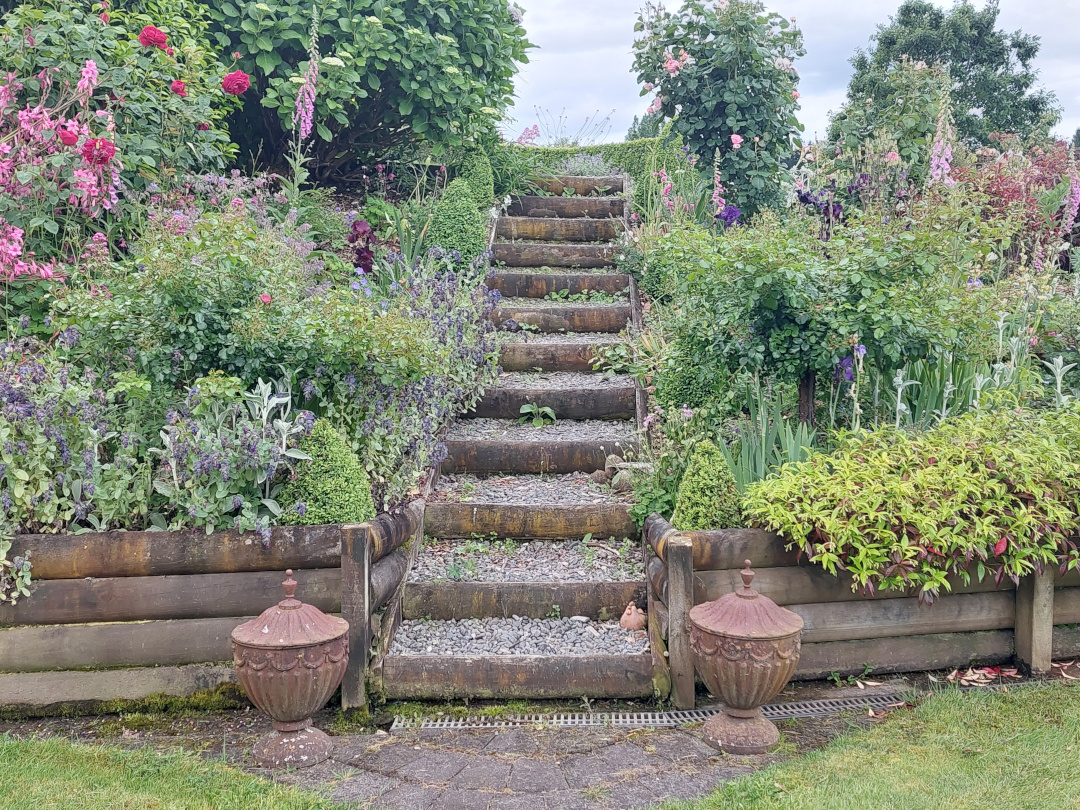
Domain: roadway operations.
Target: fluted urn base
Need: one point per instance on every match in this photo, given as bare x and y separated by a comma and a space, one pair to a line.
741, 731
293, 745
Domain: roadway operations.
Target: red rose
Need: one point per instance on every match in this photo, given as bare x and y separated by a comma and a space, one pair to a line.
151, 37
169, 51
236, 83
98, 151
203, 127
67, 137
179, 88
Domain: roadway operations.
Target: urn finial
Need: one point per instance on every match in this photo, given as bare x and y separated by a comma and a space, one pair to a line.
290, 585
747, 577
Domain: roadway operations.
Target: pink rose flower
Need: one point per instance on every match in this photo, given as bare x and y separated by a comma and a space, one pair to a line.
179, 88
153, 37
892, 157
236, 83
266, 299
736, 141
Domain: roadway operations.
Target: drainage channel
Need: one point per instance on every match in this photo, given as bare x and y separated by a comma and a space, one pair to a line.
774, 711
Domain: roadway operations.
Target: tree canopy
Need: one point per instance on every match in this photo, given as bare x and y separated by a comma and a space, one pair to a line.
994, 84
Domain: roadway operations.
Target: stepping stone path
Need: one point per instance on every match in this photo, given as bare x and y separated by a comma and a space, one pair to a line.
529, 563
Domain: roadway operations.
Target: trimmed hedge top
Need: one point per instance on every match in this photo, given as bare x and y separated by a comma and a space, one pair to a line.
708, 498
988, 492
331, 488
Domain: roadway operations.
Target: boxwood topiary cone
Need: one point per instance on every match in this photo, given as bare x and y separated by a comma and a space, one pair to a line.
456, 224
708, 498
331, 488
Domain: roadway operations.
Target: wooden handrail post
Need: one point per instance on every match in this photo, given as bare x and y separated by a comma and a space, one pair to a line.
680, 564
356, 610
1034, 622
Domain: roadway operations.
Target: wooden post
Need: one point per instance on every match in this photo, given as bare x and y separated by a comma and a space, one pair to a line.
1034, 622
356, 610
680, 564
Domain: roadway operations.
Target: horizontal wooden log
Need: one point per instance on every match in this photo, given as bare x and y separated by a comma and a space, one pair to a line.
533, 457
657, 532
386, 575
557, 229
537, 254
142, 554
583, 186
809, 583
609, 319
529, 521
570, 207
196, 596
541, 285
657, 575
84, 689
120, 644
443, 677
728, 548
443, 601
531, 355
607, 402
391, 530
1066, 642
909, 654
896, 618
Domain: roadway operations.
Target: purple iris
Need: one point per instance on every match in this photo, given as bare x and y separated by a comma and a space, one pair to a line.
729, 216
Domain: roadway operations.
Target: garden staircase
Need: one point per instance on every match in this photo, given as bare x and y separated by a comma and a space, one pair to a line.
505, 484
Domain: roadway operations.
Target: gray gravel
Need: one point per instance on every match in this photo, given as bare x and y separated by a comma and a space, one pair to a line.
577, 430
517, 636
562, 380
562, 337
537, 561
571, 489
544, 303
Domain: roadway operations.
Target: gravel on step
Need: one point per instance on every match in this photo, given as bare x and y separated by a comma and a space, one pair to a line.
545, 303
562, 380
517, 636
572, 489
606, 560
562, 337
509, 430
560, 271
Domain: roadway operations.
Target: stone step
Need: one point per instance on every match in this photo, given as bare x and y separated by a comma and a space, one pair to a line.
568, 207
446, 601
582, 186
504, 445
539, 285
570, 394
527, 507
531, 229
556, 316
538, 254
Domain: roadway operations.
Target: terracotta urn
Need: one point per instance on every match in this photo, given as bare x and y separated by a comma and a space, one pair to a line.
289, 661
745, 649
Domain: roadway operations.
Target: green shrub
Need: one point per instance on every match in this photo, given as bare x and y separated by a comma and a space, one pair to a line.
708, 498
995, 491
331, 488
457, 224
475, 170
391, 74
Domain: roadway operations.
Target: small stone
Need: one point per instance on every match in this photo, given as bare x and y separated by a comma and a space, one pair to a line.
543, 213
623, 482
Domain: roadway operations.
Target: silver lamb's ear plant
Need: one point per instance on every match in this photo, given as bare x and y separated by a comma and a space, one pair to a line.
1059, 370
901, 383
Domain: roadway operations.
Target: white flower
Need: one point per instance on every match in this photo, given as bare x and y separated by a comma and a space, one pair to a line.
333, 61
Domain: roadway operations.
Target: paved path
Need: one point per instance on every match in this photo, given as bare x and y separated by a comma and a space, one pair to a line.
532, 769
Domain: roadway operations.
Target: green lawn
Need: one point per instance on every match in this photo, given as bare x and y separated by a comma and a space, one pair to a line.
59, 775
1018, 750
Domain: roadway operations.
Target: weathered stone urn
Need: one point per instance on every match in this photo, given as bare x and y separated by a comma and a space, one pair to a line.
289, 661
745, 648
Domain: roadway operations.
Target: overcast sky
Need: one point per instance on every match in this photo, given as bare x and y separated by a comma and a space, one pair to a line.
583, 56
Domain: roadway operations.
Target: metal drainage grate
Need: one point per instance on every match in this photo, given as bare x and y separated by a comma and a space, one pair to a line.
775, 711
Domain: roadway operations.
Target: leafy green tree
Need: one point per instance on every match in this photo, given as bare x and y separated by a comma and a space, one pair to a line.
390, 73
648, 126
1076, 139
724, 72
994, 83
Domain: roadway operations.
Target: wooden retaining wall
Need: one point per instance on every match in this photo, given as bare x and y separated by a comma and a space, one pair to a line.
846, 631
121, 615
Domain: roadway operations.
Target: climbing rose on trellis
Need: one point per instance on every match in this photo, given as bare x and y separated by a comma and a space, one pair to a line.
236, 83
152, 37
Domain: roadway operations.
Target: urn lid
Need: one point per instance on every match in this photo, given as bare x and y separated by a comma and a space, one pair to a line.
746, 614
290, 623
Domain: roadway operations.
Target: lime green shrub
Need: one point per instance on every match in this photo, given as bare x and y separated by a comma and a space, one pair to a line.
708, 497
475, 169
457, 224
331, 488
986, 493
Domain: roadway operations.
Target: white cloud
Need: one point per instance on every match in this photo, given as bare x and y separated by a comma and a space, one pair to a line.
584, 56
